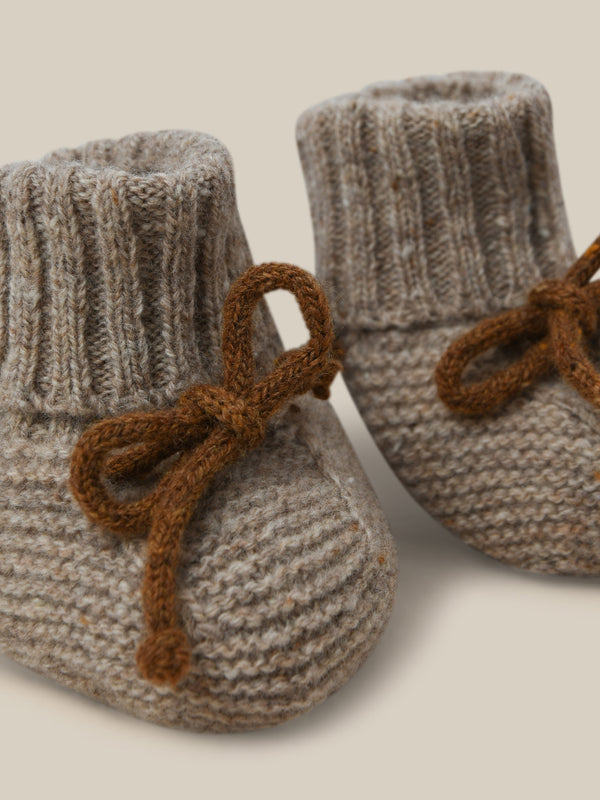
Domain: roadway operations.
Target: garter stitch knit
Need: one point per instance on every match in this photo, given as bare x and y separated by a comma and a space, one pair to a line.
115, 261
436, 202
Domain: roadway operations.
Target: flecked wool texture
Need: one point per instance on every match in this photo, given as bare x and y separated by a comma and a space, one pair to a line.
115, 260
436, 203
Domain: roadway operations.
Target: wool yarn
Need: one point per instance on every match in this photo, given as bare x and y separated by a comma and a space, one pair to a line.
115, 261
436, 203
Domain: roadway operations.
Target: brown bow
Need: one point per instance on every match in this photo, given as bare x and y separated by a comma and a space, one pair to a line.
209, 427
562, 312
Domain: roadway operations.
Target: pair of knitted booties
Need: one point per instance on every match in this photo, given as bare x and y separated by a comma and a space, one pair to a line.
187, 534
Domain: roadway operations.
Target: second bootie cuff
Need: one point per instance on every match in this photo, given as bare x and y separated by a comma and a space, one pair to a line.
434, 198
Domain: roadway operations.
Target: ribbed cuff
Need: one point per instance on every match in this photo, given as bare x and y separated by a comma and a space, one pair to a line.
115, 259
434, 198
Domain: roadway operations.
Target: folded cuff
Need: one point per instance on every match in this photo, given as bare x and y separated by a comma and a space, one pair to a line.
434, 197
115, 259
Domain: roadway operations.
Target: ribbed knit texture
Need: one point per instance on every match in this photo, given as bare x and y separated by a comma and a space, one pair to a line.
436, 201
117, 258
103, 304
433, 198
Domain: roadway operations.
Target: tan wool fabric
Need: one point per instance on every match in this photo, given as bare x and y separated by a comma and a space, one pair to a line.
436, 203
115, 260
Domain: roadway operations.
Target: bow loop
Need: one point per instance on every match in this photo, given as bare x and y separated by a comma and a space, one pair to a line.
295, 370
209, 427
560, 313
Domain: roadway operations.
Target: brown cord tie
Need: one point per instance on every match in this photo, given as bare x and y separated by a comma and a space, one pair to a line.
562, 312
210, 427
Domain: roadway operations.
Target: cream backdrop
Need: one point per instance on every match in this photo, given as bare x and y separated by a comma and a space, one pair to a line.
486, 682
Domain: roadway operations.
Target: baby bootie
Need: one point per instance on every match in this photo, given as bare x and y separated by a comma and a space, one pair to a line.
436, 204
186, 535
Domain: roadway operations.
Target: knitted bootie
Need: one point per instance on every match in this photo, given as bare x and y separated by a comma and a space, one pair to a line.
436, 203
116, 259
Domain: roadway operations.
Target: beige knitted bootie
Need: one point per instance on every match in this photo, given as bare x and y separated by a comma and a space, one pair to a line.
436, 203
116, 260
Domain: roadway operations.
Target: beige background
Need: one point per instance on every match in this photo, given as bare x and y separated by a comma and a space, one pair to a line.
486, 683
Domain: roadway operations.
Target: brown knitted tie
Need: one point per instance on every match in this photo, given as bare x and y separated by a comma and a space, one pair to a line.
210, 427
562, 312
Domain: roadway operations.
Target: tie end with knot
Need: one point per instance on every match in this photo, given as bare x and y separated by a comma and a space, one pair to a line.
164, 657
322, 387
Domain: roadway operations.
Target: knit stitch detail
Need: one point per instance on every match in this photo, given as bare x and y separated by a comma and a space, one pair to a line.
116, 257
286, 580
434, 198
